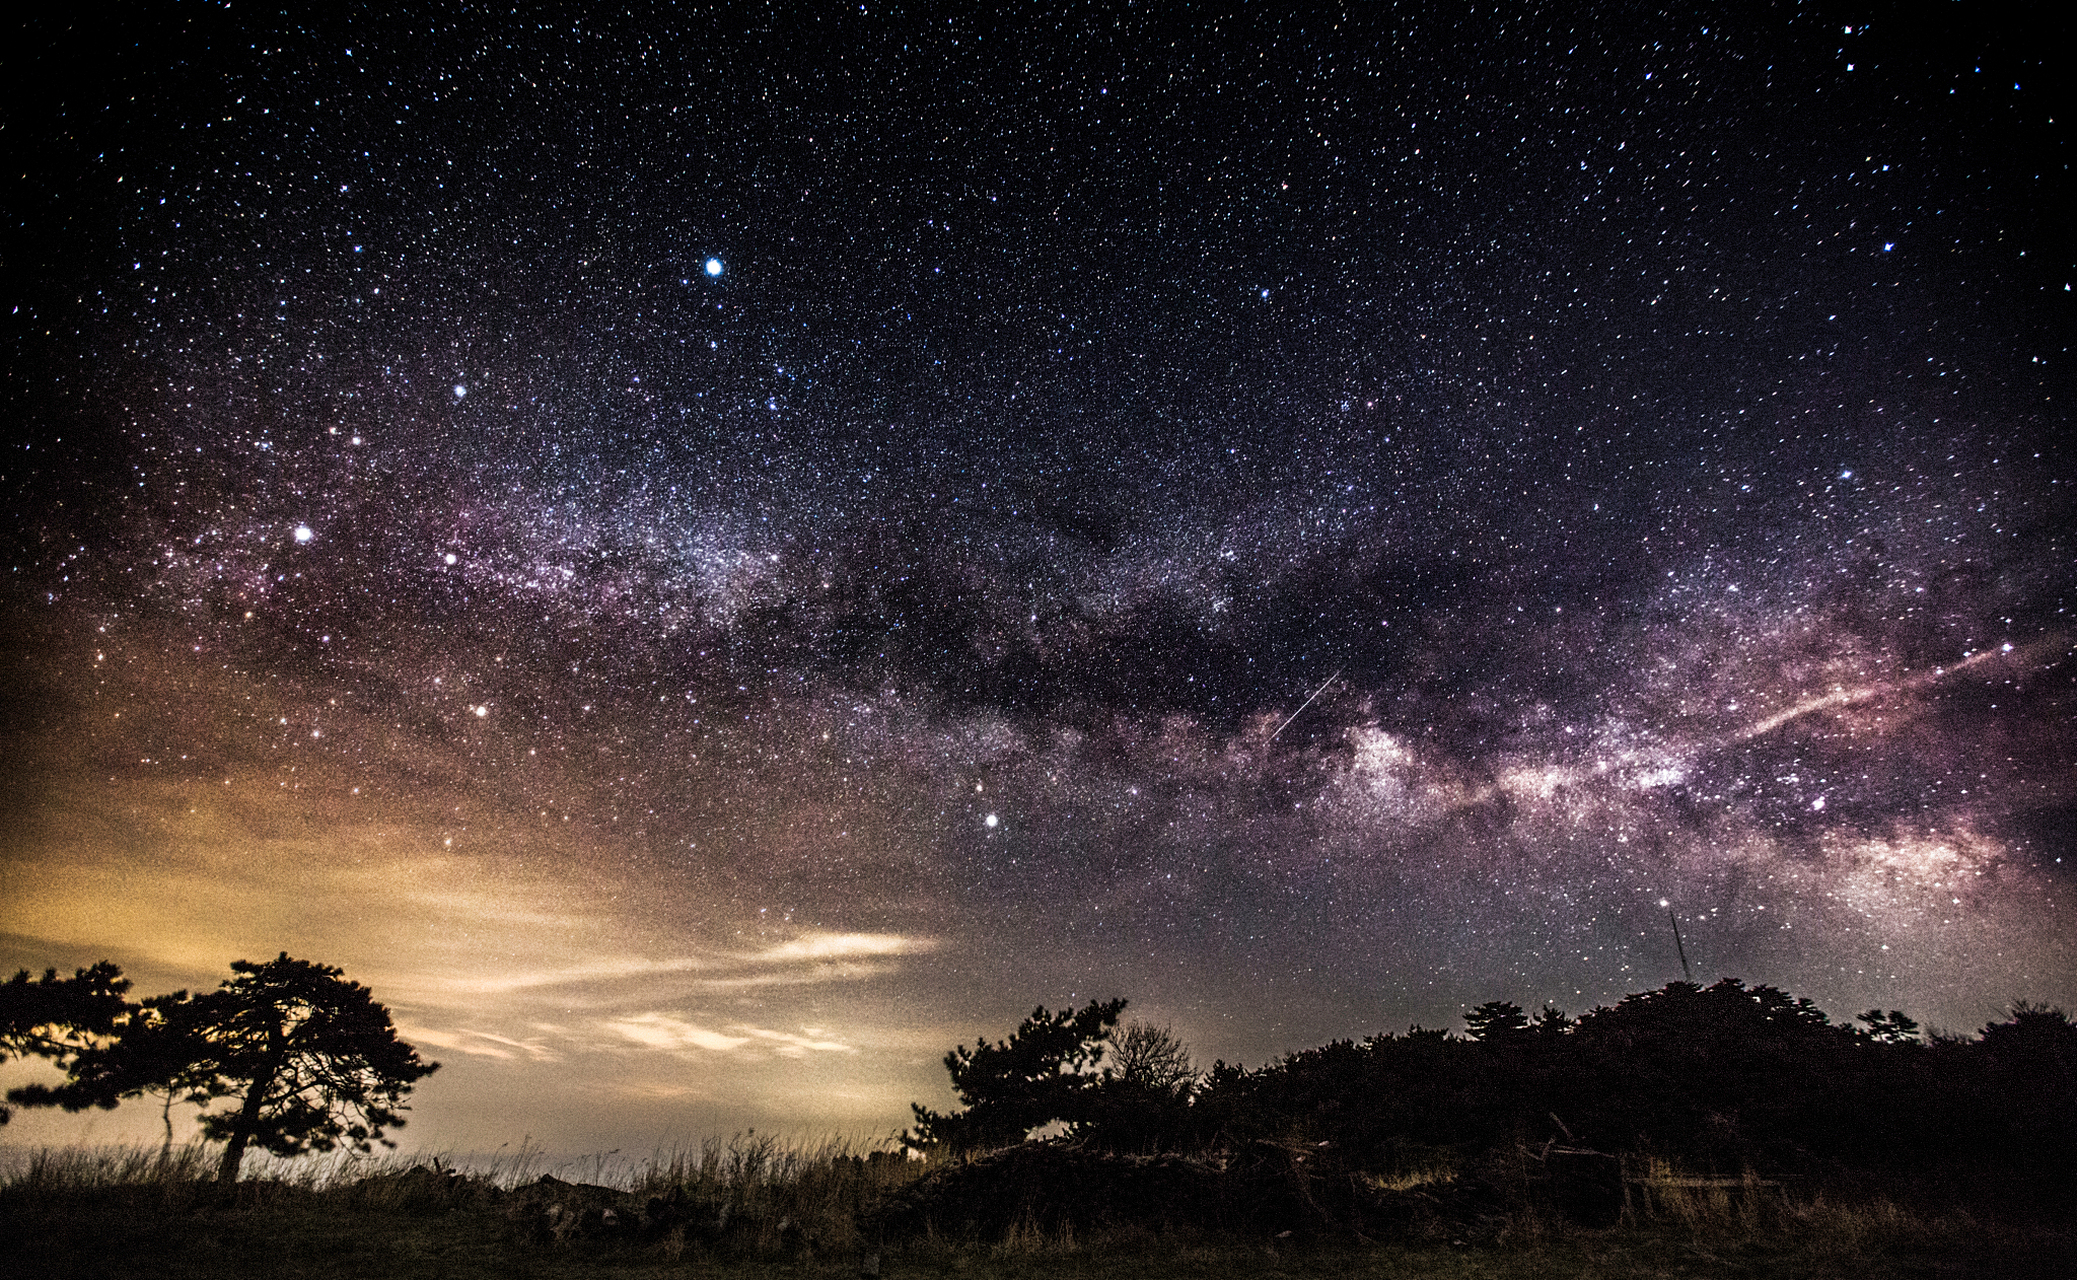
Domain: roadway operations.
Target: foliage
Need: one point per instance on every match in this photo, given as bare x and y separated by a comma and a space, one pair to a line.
1143, 1102
1154, 1059
59, 1018
2037, 1036
1887, 1028
1496, 1022
162, 1048
1725, 1077
310, 1059
1045, 1071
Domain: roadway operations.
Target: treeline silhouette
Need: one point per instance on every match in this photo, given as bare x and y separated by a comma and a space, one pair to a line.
1740, 1106
300, 1059
1723, 1079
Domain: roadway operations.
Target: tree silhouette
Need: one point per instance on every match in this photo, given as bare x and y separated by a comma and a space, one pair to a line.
59, 1019
310, 1059
165, 1053
1893, 1027
1044, 1072
1496, 1022
2040, 1037
161, 1048
1153, 1058
1143, 1101
1724, 1078
1736, 1072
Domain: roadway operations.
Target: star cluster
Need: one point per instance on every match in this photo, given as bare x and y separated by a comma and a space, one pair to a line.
727, 551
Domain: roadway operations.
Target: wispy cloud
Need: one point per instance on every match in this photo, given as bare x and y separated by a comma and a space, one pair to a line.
479, 1044
603, 969
662, 1031
798, 1046
844, 971
840, 946
670, 1032
808, 958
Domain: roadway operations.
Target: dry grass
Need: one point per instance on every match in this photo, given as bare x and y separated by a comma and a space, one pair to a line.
824, 1187
143, 1212
1410, 1179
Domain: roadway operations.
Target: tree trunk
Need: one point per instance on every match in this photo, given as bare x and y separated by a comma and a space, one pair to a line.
241, 1134
234, 1155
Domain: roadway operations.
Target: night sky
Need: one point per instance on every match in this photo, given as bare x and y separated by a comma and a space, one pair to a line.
707, 556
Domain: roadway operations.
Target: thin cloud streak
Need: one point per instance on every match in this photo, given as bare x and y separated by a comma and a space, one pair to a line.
669, 1032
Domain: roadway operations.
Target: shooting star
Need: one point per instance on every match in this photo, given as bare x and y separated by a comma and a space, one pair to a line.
1301, 708
1844, 697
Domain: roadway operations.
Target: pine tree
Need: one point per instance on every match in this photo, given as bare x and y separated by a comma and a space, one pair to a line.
1045, 1071
310, 1061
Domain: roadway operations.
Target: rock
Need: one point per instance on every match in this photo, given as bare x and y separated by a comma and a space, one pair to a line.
553, 1211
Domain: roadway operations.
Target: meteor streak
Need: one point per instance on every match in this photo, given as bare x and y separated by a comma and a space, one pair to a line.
1302, 706
1842, 697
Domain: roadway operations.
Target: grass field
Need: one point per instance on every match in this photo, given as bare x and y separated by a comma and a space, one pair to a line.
136, 1213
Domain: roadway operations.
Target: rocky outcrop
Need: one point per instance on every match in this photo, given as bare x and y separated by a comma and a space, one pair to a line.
553, 1212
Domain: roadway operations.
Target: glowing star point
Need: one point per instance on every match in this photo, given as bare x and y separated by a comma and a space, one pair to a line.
460, 391
991, 822
713, 266
304, 533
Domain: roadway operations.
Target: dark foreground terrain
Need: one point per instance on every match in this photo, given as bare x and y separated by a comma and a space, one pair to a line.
751, 1209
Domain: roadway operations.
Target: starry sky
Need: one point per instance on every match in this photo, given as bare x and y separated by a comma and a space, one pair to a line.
710, 554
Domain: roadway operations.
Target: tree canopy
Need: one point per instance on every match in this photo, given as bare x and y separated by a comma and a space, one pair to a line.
161, 1048
1045, 1071
1152, 1059
60, 1018
309, 1059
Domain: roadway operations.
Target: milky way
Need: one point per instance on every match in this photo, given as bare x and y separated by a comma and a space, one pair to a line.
709, 556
